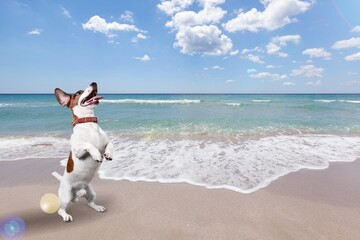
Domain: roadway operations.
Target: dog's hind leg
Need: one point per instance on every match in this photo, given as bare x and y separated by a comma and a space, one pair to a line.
90, 197
65, 196
79, 194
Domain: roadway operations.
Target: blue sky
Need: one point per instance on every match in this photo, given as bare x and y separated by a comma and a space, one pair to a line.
180, 46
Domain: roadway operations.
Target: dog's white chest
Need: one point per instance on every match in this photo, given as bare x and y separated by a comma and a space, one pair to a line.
92, 134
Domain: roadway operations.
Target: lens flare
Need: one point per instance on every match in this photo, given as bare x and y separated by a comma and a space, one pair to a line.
12, 228
341, 14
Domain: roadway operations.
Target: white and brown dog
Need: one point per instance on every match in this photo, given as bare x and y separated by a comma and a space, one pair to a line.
89, 145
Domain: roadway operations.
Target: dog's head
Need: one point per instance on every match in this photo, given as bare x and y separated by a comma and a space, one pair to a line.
82, 102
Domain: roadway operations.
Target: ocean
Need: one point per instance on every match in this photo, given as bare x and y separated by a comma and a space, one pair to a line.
236, 142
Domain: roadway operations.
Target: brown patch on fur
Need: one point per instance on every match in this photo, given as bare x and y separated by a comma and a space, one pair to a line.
74, 117
70, 164
73, 100
68, 100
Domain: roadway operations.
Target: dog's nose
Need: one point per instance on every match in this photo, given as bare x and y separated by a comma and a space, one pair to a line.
93, 84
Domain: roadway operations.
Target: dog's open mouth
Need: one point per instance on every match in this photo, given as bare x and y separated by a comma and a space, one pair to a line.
92, 98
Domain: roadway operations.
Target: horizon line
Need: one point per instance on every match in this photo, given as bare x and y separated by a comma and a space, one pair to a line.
195, 93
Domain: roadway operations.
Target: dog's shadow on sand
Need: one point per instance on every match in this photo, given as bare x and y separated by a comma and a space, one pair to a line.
37, 221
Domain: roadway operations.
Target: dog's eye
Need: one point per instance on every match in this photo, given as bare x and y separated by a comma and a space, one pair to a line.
79, 92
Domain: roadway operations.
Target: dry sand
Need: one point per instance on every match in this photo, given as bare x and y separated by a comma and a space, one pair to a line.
310, 204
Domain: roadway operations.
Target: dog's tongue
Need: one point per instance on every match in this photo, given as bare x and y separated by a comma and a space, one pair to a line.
94, 99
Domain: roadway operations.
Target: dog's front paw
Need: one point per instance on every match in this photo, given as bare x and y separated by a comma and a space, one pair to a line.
108, 156
67, 218
96, 155
109, 151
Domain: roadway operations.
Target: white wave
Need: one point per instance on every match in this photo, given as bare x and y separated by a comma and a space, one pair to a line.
27, 105
343, 101
233, 104
145, 101
325, 100
17, 148
350, 101
2, 105
243, 166
261, 101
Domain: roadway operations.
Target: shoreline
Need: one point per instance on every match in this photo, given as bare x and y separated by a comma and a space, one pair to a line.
308, 204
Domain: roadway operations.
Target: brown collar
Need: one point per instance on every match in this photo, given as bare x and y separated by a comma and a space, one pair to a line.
85, 120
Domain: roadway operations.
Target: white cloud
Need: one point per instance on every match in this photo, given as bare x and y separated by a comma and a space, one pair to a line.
208, 15
278, 42
277, 13
98, 24
251, 70
289, 83
216, 67
274, 76
282, 40
353, 57
35, 31
270, 66
254, 58
350, 83
173, 6
233, 53
112, 41
272, 48
317, 53
349, 43
138, 37
197, 32
66, 12
230, 81
308, 71
356, 29
144, 58
206, 3
206, 40
127, 16
352, 73
255, 49
314, 84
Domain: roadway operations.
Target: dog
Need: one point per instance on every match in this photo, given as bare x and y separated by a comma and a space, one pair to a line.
89, 145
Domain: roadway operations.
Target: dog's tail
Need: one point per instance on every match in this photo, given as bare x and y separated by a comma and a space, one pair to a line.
58, 176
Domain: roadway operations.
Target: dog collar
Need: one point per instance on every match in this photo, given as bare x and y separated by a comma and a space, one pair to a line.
85, 120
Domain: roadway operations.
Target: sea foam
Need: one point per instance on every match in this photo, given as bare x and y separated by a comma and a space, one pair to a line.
325, 100
233, 104
18, 148
261, 101
243, 166
340, 100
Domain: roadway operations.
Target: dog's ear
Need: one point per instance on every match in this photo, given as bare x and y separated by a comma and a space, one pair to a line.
62, 97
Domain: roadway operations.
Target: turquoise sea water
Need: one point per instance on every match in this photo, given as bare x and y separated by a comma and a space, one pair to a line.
240, 142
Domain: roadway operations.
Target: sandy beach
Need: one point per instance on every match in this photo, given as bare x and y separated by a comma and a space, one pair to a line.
309, 204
